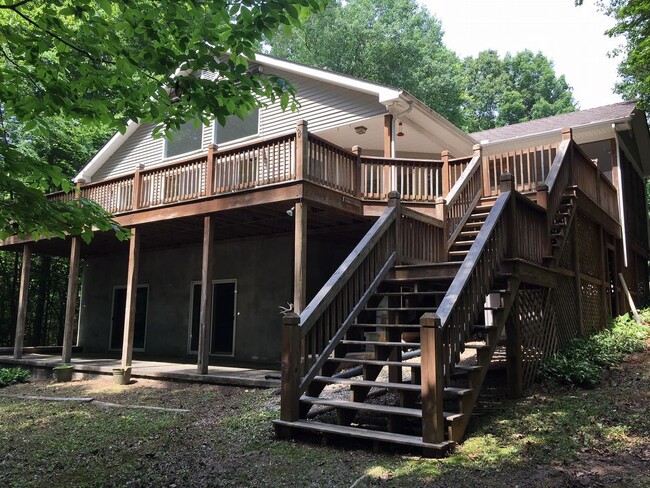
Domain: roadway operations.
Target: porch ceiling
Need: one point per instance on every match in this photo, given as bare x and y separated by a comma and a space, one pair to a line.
241, 223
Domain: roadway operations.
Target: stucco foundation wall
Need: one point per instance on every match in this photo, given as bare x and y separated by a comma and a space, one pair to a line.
263, 268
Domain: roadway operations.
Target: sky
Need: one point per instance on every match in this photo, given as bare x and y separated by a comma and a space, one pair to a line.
572, 37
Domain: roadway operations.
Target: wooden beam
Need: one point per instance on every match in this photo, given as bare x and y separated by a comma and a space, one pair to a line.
71, 301
205, 317
22, 301
131, 292
300, 257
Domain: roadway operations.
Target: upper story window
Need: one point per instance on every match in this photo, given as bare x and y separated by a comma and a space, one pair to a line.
186, 139
237, 128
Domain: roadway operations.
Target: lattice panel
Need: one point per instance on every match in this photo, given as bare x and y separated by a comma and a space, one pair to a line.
566, 307
536, 316
592, 304
642, 282
589, 247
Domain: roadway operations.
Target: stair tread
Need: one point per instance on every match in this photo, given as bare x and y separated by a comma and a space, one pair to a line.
405, 326
400, 309
372, 384
381, 343
458, 391
367, 407
477, 346
409, 293
468, 367
375, 435
374, 362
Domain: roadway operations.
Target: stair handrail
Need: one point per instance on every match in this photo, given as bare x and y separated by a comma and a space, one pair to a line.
310, 338
559, 177
495, 242
463, 197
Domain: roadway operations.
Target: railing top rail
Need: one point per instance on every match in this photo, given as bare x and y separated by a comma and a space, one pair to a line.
257, 143
466, 269
314, 137
473, 166
561, 153
181, 162
405, 160
412, 214
112, 179
323, 298
461, 160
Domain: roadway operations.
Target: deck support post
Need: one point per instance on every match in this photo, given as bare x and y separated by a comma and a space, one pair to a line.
131, 293
22, 301
290, 372
71, 300
388, 153
300, 212
431, 378
205, 316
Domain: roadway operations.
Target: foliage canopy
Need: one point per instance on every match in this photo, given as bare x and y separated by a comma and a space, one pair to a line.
107, 62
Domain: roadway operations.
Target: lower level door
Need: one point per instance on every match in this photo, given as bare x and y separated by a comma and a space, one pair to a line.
119, 306
222, 325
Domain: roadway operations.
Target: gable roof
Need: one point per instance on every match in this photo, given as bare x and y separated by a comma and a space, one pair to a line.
396, 101
605, 114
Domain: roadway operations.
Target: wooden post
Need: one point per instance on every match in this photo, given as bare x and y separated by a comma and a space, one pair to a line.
302, 150
394, 201
431, 379
388, 153
290, 372
22, 301
626, 290
358, 191
542, 201
137, 187
507, 184
131, 292
209, 171
575, 257
567, 134
300, 257
446, 184
605, 277
205, 316
71, 300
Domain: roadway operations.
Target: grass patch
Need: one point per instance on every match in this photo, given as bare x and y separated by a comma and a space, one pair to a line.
583, 361
11, 376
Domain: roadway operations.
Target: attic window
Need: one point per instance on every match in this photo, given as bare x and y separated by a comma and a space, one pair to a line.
185, 140
237, 128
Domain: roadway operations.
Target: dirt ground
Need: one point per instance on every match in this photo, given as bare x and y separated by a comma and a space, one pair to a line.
554, 437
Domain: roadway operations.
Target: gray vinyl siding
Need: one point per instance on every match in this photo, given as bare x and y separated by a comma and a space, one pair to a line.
322, 105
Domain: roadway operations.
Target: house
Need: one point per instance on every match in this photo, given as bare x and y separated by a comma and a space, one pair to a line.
389, 233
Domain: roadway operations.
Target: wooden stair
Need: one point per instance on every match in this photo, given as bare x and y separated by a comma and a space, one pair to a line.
379, 398
465, 238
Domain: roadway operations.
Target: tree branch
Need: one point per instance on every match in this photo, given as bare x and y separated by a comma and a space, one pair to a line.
12, 6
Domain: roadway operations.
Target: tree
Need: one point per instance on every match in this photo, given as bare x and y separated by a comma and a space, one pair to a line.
633, 25
514, 89
393, 42
105, 62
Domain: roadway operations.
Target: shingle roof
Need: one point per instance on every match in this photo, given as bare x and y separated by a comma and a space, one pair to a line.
573, 119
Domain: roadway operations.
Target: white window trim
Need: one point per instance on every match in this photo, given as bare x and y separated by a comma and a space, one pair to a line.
234, 142
234, 321
167, 159
146, 319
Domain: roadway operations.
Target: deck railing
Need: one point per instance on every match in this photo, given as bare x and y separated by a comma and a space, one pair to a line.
332, 166
529, 166
114, 195
172, 183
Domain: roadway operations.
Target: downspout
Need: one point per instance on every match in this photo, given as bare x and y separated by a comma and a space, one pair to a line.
393, 150
621, 209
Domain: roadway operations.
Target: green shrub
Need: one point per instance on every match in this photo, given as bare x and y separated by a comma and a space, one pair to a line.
583, 360
9, 376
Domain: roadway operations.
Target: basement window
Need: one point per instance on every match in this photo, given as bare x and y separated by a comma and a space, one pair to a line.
185, 140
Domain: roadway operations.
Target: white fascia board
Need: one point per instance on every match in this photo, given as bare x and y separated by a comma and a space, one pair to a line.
106, 152
382, 91
577, 129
